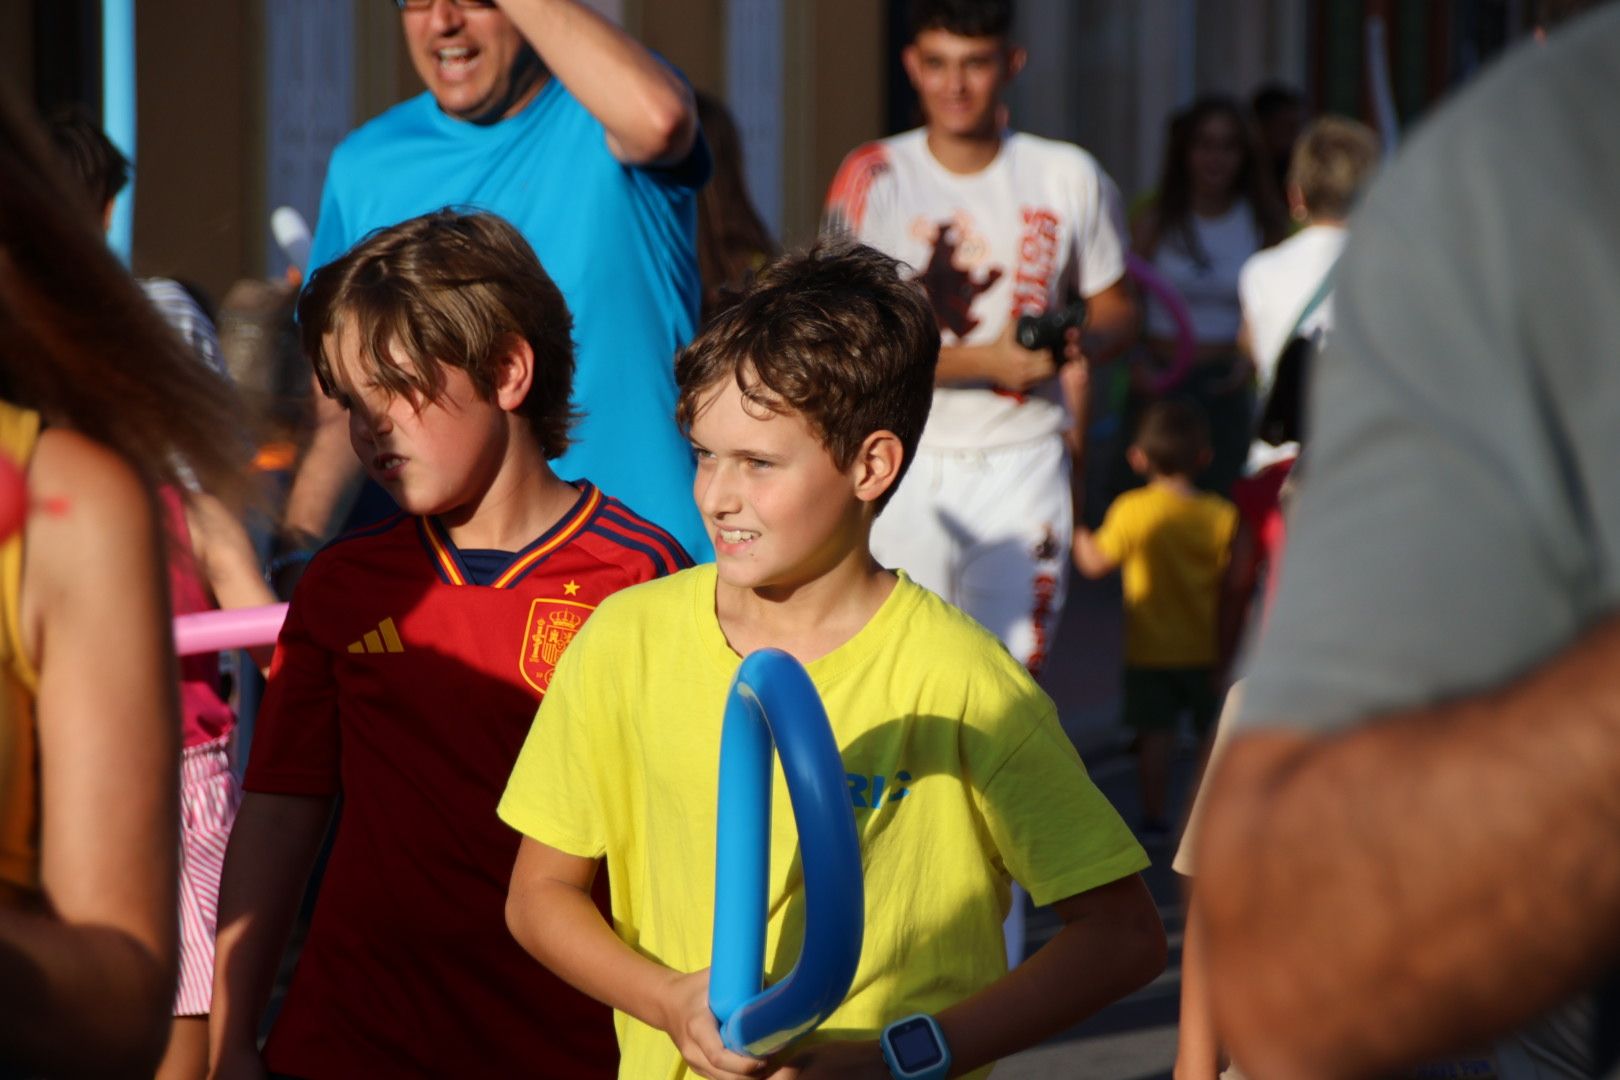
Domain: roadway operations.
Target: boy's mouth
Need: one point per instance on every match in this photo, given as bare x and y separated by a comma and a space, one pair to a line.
385, 464
737, 536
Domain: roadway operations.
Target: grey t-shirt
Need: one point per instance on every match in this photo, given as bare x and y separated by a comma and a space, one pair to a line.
1459, 521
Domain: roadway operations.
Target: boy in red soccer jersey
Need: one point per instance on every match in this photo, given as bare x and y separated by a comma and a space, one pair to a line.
407, 674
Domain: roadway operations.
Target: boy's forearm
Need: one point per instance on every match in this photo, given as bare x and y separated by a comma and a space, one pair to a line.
1112, 943
267, 863
560, 926
1088, 559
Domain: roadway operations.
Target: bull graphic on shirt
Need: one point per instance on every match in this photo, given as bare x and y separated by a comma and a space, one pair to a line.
951, 290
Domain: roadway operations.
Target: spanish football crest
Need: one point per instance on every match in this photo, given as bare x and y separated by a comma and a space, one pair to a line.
552, 625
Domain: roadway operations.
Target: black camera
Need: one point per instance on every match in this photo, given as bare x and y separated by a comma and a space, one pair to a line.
1047, 330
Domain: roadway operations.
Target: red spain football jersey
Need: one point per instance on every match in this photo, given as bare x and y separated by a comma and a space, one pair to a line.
409, 689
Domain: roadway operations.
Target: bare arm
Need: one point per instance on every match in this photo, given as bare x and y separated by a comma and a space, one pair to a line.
1110, 327
272, 848
551, 914
228, 561
1111, 934
87, 985
1111, 322
1393, 943
648, 111
1198, 1049
1090, 559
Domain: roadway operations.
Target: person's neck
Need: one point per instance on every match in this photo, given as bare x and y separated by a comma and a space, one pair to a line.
524, 500
964, 153
1176, 482
809, 620
1325, 222
1213, 204
527, 83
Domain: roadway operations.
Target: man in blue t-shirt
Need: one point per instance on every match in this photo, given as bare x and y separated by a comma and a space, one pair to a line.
545, 113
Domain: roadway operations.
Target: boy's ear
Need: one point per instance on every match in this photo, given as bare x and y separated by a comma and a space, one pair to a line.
1137, 460
514, 372
910, 62
1017, 57
877, 465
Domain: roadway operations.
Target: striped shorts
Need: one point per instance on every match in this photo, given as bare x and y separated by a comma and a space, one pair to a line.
209, 796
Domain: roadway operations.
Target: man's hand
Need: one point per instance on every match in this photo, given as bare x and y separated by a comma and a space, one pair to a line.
686, 1019
1012, 367
834, 1061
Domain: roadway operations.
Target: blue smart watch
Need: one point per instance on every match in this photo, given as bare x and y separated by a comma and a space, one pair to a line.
914, 1049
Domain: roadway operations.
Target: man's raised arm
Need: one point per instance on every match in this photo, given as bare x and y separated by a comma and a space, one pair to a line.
647, 109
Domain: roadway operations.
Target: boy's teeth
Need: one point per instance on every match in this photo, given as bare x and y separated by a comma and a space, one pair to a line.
736, 536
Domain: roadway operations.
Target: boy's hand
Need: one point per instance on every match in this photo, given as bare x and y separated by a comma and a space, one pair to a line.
845, 1060
690, 1025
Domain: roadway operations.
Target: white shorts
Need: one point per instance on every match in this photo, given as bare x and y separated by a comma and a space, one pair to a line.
988, 530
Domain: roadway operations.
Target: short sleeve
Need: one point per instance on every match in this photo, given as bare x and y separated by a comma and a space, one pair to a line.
554, 793
860, 201
1115, 537
1102, 244
1439, 545
1057, 834
295, 736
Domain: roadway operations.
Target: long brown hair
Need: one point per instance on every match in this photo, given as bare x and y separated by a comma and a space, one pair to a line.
732, 241
1173, 212
80, 342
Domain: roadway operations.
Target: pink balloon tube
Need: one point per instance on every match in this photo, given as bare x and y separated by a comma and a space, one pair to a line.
232, 628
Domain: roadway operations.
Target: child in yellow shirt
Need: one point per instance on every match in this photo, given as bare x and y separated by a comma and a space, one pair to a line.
1170, 542
804, 404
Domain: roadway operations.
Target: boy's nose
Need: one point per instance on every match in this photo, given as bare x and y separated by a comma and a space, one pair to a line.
715, 494
369, 423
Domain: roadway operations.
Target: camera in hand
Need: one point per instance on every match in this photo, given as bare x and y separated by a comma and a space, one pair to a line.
1046, 331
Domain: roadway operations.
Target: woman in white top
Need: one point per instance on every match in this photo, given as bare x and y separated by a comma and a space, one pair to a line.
1215, 207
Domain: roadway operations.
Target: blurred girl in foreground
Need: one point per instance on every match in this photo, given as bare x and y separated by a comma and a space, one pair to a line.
98, 400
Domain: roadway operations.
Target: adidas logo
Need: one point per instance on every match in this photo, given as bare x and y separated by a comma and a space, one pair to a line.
383, 639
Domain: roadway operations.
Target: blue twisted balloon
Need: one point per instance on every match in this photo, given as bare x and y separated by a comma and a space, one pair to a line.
772, 698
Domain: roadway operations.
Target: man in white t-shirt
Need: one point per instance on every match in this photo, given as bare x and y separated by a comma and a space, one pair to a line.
996, 224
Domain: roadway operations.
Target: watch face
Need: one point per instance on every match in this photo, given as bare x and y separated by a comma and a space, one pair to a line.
915, 1046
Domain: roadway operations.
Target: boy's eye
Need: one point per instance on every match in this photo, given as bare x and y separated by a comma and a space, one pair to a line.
758, 463
702, 454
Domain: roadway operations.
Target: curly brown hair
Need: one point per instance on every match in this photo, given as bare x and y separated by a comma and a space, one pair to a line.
834, 333
447, 288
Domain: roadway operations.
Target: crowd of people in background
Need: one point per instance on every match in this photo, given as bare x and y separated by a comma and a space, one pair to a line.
554, 433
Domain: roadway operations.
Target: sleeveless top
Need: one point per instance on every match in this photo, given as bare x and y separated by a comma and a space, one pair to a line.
19, 681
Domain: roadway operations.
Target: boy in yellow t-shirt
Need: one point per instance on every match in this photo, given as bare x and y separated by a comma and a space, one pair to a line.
1170, 542
804, 403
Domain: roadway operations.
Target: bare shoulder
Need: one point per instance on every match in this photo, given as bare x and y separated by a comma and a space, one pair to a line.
91, 523
82, 485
